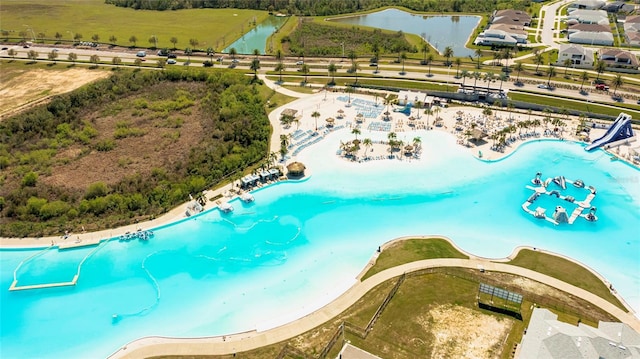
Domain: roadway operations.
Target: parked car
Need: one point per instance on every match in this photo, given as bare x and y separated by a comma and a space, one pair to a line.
602, 87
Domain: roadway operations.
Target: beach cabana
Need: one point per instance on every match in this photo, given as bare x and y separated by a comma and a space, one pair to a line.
330, 121
340, 113
477, 134
295, 169
408, 149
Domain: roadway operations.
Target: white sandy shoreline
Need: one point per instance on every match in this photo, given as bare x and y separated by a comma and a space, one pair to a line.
327, 104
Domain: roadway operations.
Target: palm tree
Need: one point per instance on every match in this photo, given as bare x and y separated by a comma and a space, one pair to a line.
279, 67
133, 39
617, 81
284, 145
403, 57
352, 56
174, 41
448, 54
476, 76
417, 142
464, 76
506, 55
332, 69
210, 53
584, 76
496, 58
367, 143
354, 69
356, 132
600, 67
538, 59
194, 43
315, 116
233, 52
188, 52
519, 67
58, 36
255, 66
73, 57
256, 53
489, 78
375, 48
458, 62
161, 63
112, 39
552, 72
425, 50
566, 63
503, 77
12, 53
136, 62
116, 60
478, 54
429, 60
305, 71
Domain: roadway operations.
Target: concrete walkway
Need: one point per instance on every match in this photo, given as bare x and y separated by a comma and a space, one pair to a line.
157, 346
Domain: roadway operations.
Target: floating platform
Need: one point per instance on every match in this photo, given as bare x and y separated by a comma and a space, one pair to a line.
560, 182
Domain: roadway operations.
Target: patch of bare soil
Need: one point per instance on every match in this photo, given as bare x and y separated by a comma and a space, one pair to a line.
460, 332
158, 144
31, 87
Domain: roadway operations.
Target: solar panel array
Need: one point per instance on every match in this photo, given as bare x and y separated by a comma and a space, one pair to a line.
500, 293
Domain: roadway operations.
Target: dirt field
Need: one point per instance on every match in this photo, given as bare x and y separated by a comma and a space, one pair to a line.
24, 87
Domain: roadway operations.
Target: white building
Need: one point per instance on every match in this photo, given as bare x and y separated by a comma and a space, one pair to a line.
592, 38
587, 4
495, 37
588, 17
548, 338
579, 56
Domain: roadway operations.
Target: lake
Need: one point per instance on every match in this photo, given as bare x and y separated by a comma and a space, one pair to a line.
257, 37
439, 30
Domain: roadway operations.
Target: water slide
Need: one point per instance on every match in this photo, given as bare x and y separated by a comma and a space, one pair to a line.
619, 130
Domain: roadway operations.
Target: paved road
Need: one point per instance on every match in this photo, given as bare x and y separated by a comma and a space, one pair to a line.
157, 346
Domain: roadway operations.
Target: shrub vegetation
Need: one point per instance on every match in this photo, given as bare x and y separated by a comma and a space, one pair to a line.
127, 147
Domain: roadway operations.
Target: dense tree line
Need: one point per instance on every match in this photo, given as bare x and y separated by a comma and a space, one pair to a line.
313, 39
326, 7
233, 117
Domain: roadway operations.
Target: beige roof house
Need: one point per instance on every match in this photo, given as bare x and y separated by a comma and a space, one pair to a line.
511, 17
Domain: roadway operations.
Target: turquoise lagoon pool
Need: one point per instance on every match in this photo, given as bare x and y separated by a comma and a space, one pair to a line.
299, 245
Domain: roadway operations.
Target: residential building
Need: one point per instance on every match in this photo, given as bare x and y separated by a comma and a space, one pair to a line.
516, 31
589, 17
511, 17
587, 4
579, 56
592, 38
495, 38
632, 30
587, 27
548, 338
619, 58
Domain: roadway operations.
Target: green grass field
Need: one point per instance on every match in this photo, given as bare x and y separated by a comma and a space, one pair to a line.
211, 27
566, 271
413, 250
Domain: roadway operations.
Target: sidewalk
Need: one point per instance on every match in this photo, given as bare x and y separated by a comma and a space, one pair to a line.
157, 346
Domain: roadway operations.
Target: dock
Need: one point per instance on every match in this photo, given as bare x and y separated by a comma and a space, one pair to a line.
14, 285
79, 243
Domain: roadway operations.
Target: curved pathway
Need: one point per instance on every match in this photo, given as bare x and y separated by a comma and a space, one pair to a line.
157, 346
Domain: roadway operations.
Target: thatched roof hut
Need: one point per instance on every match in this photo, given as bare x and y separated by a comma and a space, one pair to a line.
295, 169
